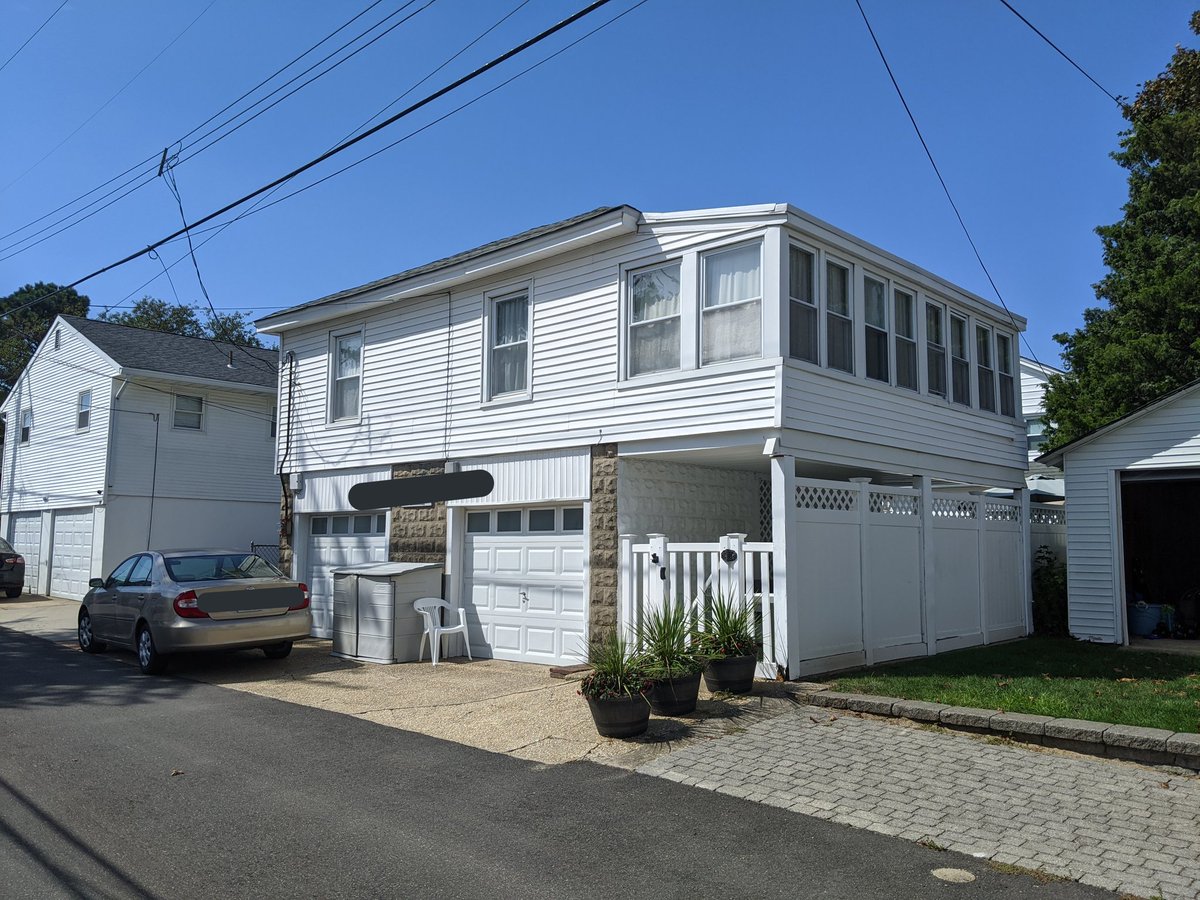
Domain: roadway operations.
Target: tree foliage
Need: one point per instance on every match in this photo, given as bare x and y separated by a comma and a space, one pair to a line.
181, 318
1146, 340
25, 317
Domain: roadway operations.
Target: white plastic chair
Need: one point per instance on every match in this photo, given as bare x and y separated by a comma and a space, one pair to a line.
430, 609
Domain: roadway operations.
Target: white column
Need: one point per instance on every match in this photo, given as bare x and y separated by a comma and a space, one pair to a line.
656, 572
776, 328
625, 586
785, 552
928, 608
864, 557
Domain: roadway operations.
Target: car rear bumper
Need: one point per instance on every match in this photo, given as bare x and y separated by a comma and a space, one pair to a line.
226, 634
12, 577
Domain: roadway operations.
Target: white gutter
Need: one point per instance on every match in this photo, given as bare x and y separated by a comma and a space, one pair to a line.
195, 379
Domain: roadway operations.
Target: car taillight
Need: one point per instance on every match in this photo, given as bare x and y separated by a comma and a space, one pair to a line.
15, 560
304, 598
187, 606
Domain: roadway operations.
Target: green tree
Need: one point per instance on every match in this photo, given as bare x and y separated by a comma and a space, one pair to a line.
25, 317
1146, 341
180, 318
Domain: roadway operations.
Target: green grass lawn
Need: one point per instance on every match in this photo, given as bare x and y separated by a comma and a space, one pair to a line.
1050, 677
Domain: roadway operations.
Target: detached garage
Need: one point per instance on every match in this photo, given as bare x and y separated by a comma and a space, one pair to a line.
1132, 488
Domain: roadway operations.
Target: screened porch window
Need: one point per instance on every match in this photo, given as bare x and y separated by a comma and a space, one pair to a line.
905, 310
654, 320
731, 321
875, 328
510, 345
960, 363
803, 296
839, 322
1004, 359
985, 369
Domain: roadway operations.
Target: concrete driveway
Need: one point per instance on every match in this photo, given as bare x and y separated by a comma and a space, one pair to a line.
505, 707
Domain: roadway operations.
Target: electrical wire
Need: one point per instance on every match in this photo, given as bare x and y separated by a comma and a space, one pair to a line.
38, 31
942, 181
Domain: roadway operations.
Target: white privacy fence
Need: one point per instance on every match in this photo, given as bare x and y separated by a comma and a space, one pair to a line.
659, 571
1048, 528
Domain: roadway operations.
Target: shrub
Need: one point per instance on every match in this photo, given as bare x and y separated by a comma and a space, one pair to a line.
1049, 594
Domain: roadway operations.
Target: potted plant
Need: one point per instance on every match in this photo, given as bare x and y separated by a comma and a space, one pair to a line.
729, 642
673, 660
615, 689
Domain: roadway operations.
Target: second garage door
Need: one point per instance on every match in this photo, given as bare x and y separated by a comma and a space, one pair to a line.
524, 584
335, 541
71, 553
25, 534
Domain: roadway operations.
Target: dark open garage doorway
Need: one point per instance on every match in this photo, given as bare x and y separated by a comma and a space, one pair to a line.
1160, 514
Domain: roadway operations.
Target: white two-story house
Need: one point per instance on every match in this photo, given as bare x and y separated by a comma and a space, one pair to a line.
742, 374
121, 439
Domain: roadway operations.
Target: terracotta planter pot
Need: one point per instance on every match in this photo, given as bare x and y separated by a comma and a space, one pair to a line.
623, 717
732, 674
674, 696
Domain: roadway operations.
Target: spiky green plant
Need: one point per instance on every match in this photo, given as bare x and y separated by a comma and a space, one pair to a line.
728, 627
667, 643
616, 672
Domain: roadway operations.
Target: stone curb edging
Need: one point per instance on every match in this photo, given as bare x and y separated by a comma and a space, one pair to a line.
1155, 746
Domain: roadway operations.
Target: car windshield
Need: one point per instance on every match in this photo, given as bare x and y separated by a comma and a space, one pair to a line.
219, 567
6, 547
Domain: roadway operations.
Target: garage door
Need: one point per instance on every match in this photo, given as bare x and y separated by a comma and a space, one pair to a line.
71, 553
334, 541
524, 584
25, 534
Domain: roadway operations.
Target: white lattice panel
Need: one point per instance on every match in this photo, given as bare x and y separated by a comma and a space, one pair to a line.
813, 497
1044, 516
1002, 512
889, 504
954, 508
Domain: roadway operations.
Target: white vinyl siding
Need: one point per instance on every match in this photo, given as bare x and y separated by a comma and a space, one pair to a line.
839, 325
345, 384
654, 314
731, 319
189, 412
804, 318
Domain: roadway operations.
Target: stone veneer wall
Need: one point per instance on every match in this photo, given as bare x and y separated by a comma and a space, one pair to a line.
418, 535
687, 502
286, 541
602, 525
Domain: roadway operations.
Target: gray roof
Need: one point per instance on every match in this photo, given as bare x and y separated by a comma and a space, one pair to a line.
174, 354
465, 255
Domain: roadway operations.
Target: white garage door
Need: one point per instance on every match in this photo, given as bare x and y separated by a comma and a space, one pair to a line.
25, 530
71, 553
523, 585
334, 541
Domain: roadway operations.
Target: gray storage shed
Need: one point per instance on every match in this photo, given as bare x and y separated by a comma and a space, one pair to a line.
373, 616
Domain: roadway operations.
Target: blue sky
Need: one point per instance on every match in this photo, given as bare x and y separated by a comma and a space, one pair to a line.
677, 105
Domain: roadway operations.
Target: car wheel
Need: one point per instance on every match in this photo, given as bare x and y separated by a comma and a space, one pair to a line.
12, 593
149, 659
88, 642
278, 651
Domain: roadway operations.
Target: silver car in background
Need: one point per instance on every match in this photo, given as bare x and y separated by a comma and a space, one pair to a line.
160, 603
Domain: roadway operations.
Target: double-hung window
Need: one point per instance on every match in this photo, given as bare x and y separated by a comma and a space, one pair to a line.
26, 425
960, 363
904, 314
1004, 360
935, 348
346, 389
509, 363
654, 320
839, 327
189, 412
802, 292
731, 319
83, 410
875, 328
986, 372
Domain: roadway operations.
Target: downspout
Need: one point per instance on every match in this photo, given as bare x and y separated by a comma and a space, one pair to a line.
108, 450
153, 484
285, 514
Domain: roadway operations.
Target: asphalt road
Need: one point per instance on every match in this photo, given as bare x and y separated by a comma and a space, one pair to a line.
278, 800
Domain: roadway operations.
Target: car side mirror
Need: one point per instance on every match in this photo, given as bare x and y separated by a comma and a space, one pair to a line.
96, 582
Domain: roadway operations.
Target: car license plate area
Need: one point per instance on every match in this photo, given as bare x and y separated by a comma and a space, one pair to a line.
239, 602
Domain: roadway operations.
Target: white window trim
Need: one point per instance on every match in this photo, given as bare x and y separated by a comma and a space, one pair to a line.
558, 507
203, 398
331, 378
627, 324
79, 410
490, 299
25, 432
700, 308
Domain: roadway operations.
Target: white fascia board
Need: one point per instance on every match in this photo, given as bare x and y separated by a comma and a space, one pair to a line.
810, 224
605, 227
758, 214
1039, 369
192, 379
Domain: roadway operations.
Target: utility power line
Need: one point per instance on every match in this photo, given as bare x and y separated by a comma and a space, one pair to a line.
36, 32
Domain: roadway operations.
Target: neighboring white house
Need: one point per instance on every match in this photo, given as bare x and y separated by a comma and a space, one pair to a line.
691, 375
121, 439
1045, 482
1132, 490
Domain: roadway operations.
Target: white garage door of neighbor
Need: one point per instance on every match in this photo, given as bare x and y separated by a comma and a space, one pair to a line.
523, 586
71, 553
335, 541
26, 537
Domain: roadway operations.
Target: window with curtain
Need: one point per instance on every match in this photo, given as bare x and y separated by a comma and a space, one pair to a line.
654, 320
189, 412
1004, 361
839, 327
960, 363
731, 313
905, 315
875, 330
510, 345
986, 371
935, 349
803, 313
347, 376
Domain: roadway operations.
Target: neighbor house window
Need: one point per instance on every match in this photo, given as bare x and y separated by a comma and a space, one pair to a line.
905, 311
83, 410
654, 320
875, 328
802, 272
274, 419
731, 320
26, 425
986, 373
57, 338
839, 321
935, 349
1035, 434
189, 412
960, 364
1004, 360
510, 345
347, 376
